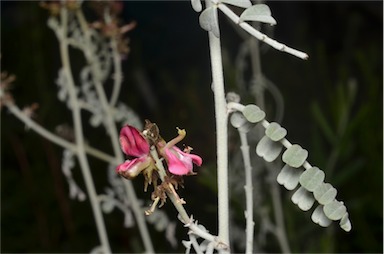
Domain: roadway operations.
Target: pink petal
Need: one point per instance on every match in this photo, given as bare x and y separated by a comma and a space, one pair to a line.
130, 169
132, 143
192, 157
195, 159
175, 165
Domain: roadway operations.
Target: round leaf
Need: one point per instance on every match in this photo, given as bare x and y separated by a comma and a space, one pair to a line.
275, 132
312, 178
253, 113
238, 121
345, 223
319, 217
258, 12
107, 206
295, 156
209, 22
239, 3
303, 199
325, 193
268, 150
196, 5
289, 177
335, 210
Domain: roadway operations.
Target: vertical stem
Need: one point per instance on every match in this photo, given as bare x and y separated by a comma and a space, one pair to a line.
279, 218
221, 133
248, 192
117, 75
79, 135
111, 127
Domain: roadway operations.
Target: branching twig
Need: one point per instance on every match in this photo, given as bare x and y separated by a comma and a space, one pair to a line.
247, 27
84, 165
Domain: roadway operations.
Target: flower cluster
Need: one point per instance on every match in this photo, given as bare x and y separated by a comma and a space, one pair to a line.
137, 145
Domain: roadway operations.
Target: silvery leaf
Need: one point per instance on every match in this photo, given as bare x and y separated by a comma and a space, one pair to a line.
196, 5
345, 223
268, 150
239, 3
312, 178
258, 12
335, 210
253, 113
325, 193
303, 199
295, 156
275, 132
289, 177
208, 21
319, 217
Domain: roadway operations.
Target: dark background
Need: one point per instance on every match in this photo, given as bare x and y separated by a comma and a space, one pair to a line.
343, 39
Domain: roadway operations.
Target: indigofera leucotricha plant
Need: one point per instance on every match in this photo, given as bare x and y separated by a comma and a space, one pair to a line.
147, 151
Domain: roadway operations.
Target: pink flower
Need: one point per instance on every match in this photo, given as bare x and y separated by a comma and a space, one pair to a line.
180, 163
131, 168
133, 144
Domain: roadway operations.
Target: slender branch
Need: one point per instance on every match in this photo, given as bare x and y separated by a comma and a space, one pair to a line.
95, 69
55, 138
79, 135
279, 231
117, 75
251, 30
248, 192
114, 136
221, 133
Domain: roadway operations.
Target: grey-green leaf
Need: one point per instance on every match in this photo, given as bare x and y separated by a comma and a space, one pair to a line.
107, 206
239, 122
289, 177
345, 223
295, 156
275, 132
196, 5
253, 113
324, 193
268, 150
303, 199
209, 22
312, 178
239, 3
258, 12
335, 210
318, 217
